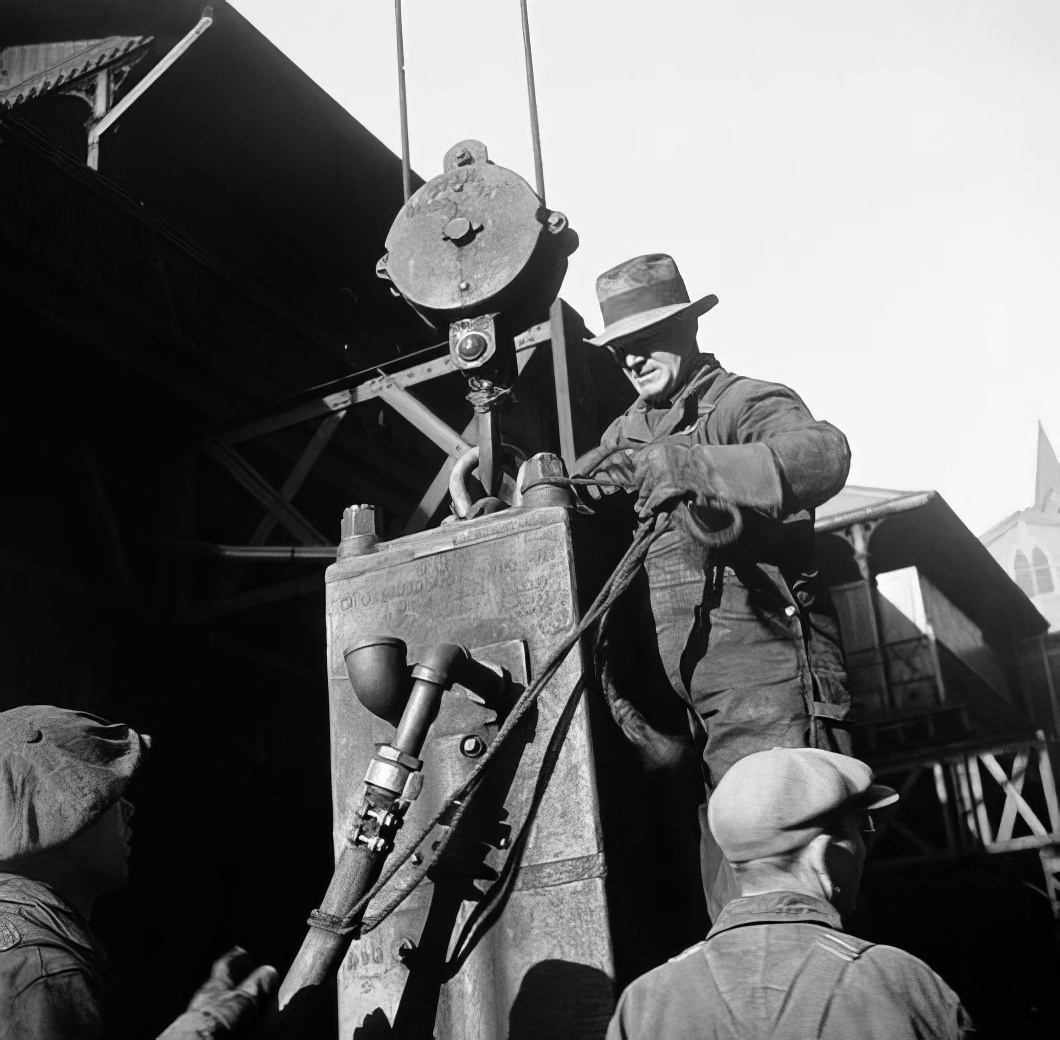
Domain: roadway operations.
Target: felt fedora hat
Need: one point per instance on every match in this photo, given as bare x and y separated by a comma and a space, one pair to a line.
642, 292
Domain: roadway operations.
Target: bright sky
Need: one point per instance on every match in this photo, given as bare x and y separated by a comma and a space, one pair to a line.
872, 189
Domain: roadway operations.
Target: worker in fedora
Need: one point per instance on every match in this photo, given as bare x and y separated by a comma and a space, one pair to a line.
746, 635
794, 823
64, 841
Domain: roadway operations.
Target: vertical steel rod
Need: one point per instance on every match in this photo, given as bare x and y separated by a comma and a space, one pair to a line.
531, 90
406, 176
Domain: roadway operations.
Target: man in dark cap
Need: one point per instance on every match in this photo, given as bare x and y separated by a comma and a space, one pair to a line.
746, 635
64, 841
792, 822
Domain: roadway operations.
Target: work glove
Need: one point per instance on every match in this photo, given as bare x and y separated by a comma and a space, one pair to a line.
669, 470
660, 752
612, 464
229, 1000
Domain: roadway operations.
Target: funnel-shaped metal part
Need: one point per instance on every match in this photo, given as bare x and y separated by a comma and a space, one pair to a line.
380, 677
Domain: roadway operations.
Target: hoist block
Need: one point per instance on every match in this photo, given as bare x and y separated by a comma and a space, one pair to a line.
476, 239
509, 933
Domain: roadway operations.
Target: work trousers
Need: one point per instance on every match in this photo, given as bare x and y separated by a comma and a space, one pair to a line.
757, 667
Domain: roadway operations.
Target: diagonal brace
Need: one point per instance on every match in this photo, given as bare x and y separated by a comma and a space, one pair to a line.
301, 469
265, 493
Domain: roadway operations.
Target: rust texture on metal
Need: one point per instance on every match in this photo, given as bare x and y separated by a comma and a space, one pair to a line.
476, 239
503, 586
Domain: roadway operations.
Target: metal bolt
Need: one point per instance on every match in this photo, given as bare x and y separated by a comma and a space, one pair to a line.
790, 611
457, 229
472, 746
417, 859
464, 286
504, 842
461, 157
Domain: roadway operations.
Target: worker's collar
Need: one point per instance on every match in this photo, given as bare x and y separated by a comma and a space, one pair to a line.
776, 908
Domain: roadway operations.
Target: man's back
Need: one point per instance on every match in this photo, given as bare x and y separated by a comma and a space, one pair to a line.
775, 965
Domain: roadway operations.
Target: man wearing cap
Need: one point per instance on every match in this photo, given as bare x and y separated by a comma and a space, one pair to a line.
745, 634
792, 822
64, 834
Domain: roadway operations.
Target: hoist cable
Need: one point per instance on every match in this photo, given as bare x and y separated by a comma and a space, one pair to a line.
531, 90
406, 172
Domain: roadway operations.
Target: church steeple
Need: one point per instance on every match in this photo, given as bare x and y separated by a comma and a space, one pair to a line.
1047, 478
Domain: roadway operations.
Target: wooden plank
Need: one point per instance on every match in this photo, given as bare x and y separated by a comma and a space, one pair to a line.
1028, 814
964, 794
1009, 813
1045, 771
976, 781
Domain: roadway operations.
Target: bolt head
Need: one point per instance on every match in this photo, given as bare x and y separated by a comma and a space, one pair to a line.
464, 286
472, 746
457, 229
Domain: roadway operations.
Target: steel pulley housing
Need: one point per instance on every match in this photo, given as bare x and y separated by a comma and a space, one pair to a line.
476, 239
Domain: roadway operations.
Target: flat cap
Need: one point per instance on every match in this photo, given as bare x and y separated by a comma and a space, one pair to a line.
778, 801
60, 771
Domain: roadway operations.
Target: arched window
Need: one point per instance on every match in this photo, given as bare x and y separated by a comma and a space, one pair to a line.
1043, 573
1024, 578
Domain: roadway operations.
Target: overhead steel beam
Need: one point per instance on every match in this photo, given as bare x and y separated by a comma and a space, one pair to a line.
266, 494
335, 397
299, 472
417, 413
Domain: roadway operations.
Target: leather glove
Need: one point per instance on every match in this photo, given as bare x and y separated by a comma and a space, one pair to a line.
606, 463
230, 998
669, 470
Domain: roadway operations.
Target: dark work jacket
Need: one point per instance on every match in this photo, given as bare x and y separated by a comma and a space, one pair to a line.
750, 641
55, 983
777, 965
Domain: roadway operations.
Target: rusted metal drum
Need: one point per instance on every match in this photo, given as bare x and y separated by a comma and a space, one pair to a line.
476, 240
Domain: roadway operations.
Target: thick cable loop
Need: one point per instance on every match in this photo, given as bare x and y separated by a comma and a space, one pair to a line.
683, 512
455, 808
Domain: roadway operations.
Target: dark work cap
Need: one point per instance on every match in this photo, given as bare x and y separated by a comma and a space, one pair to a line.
779, 800
60, 771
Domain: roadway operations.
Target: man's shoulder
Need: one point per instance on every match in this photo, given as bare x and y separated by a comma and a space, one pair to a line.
686, 962
30, 951
896, 963
36, 945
